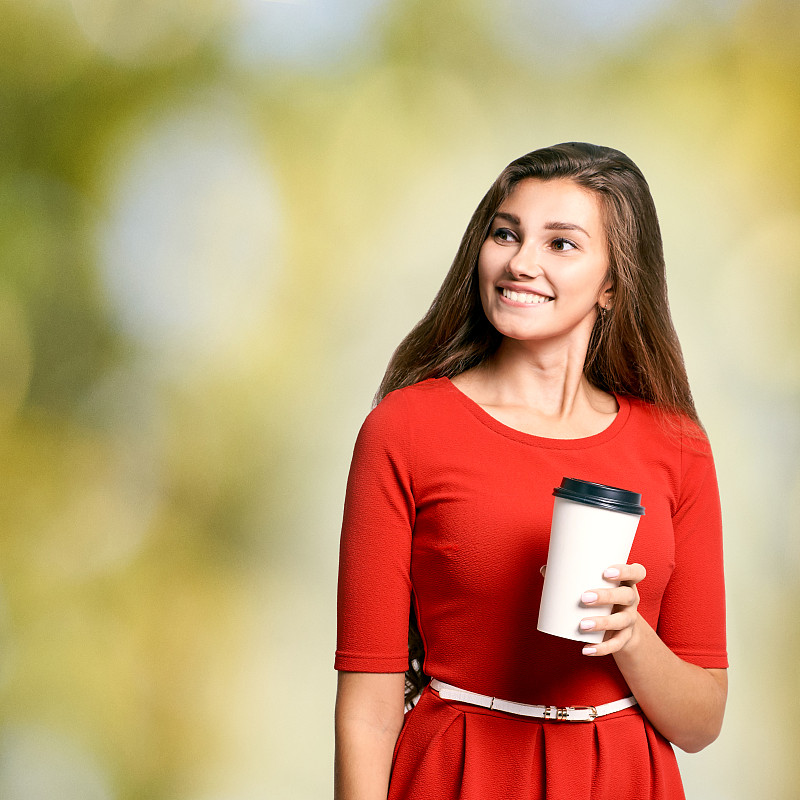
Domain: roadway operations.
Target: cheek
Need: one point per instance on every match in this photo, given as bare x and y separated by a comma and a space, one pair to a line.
485, 287
484, 292
491, 263
483, 258
484, 274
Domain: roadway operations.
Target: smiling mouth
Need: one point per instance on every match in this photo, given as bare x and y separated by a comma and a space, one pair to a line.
528, 298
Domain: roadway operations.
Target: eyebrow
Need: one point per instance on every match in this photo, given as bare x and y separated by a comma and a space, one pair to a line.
549, 226
510, 217
565, 226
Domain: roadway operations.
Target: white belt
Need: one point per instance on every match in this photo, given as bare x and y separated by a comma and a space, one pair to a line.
568, 714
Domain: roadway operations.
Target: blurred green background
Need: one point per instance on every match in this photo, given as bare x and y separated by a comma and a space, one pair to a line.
217, 220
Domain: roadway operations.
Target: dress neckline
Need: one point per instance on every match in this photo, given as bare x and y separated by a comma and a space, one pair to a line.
489, 421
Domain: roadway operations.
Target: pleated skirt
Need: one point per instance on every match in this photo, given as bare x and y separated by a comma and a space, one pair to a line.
455, 751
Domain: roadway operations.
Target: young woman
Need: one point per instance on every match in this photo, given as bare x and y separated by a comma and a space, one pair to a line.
549, 352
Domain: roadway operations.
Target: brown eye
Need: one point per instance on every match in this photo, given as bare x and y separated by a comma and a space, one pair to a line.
504, 235
562, 244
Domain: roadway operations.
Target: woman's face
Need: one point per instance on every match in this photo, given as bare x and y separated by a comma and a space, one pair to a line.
542, 269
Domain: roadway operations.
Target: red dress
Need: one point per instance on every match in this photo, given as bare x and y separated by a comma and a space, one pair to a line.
450, 509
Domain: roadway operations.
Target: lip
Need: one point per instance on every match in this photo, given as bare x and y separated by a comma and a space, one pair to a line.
522, 289
521, 303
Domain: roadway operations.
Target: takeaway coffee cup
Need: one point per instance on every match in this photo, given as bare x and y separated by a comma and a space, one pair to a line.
593, 527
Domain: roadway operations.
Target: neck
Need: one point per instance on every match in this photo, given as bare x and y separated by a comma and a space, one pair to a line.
545, 377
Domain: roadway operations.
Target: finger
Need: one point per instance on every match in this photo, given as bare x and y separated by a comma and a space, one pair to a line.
608, 646
629, 573
543, 569
622, 596
613, 622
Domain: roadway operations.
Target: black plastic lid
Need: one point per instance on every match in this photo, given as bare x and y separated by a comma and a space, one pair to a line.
600, 496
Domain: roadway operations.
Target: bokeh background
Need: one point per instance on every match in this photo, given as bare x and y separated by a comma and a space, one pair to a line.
217, 220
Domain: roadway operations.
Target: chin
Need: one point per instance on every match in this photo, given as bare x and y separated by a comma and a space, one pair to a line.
521, 335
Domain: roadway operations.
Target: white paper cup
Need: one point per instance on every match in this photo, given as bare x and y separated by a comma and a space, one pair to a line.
593, 527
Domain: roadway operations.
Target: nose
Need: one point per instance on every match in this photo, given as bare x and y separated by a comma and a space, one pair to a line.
524, 264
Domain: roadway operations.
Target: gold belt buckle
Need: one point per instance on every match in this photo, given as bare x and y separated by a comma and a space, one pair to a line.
592, 716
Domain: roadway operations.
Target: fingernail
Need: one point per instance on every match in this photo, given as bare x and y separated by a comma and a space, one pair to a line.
611, 572
589, 597
587, 624
589, 651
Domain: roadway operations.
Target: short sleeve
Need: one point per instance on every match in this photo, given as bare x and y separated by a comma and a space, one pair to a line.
692, 618
374, 591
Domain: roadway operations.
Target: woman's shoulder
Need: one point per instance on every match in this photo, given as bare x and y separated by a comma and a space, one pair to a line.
669, 427
414, 396
408, 403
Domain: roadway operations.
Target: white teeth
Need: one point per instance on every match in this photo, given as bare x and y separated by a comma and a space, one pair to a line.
525, 297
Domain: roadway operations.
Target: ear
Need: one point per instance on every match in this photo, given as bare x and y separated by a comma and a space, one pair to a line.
605, 298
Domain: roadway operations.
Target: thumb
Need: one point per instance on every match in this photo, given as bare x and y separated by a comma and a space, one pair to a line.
543, 570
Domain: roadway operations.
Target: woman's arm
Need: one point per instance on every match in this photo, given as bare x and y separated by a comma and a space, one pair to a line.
369, 716
684, 702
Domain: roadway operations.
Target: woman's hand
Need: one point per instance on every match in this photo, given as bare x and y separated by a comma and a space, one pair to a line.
621, 625
684, 702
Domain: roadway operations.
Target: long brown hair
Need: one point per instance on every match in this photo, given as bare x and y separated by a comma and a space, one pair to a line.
633, 349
